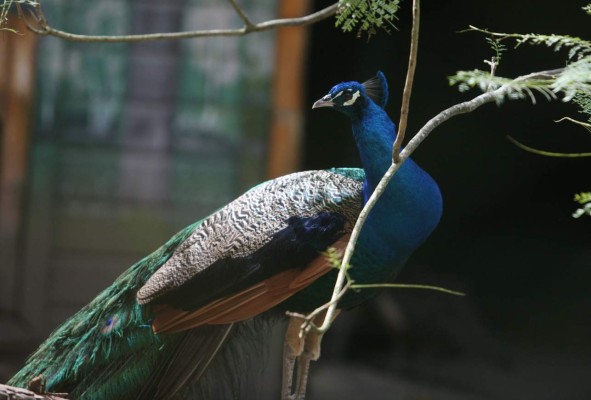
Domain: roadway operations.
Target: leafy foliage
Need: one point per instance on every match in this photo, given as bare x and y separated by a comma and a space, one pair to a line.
516, 89
366, 16
573, 82
583, 100
583, 199
498, 47
577, 46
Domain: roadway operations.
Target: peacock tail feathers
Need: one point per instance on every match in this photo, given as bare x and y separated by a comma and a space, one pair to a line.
110, 331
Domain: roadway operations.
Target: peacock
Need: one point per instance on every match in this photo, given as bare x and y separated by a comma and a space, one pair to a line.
179, 323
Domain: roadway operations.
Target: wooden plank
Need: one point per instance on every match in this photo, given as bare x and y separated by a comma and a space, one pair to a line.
288, 90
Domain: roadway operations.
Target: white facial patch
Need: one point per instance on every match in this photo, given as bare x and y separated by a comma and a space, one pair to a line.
355, 97
337, 95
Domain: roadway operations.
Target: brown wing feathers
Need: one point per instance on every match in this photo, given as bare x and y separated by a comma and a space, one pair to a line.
248, 303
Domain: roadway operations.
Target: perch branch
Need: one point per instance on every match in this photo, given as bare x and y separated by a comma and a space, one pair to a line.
40, 26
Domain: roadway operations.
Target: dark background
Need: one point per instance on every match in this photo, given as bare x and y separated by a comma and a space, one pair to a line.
507, 237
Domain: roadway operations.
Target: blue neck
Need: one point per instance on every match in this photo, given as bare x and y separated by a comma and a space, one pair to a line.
412, 201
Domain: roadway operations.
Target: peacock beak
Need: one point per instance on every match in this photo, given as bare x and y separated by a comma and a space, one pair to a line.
326, 101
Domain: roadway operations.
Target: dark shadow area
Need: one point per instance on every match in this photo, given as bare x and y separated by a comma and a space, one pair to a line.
507, 237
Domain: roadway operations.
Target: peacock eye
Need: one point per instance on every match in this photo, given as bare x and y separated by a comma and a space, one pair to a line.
347, 95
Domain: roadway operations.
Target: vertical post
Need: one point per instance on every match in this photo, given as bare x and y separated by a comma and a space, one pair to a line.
16, 89
288, 90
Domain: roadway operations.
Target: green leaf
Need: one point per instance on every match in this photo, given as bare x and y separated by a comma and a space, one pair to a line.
585, 200
366, 16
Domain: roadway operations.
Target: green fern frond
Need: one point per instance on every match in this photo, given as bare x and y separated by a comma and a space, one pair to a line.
366, 15
583, 100
577, 47
575, 79
515, 89
574, 83
498, 47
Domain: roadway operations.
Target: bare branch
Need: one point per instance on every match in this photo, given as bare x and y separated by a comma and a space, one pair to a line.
410, 74
43, 28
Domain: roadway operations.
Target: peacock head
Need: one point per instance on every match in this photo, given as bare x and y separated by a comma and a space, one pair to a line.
351, 97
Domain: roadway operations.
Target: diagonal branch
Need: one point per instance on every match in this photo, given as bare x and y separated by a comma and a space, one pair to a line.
40, 26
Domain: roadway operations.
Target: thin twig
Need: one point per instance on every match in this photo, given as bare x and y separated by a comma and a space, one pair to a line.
546, 153
472, 28
43, 28
574, 121
406, 286
308, 325
410, 74
248, 25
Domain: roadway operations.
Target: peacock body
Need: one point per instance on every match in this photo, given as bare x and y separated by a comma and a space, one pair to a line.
169, 324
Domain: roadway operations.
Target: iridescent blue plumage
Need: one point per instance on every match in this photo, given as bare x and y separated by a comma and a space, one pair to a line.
177, 322
409, 209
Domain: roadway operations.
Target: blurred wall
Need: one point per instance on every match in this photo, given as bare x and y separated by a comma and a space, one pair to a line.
129, 143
